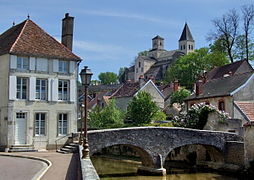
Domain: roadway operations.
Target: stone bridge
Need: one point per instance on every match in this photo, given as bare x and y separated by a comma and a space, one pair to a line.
153, 144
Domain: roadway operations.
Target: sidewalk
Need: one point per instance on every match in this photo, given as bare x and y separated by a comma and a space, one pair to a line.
64, 166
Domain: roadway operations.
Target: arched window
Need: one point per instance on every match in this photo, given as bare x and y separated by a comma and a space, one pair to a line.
221, 105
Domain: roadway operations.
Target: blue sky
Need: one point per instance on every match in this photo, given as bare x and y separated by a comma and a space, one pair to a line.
108, 34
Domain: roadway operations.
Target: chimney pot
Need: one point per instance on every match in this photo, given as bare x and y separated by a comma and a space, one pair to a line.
176, 85
199, 87
67, 31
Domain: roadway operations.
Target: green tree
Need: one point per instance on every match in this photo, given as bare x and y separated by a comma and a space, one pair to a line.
188, 67
107, 117
143, 53
142, 109
179, 96
108, 78
122, 75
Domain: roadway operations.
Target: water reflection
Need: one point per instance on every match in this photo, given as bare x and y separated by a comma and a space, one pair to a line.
109, 169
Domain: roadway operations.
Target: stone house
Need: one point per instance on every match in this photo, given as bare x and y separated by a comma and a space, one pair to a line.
155, 62
38, 76
128, 90
224, 86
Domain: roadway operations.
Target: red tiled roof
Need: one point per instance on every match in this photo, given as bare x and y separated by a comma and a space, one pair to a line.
28, 39
247, 108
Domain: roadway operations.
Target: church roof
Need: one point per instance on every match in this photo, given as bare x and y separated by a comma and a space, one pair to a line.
28, 39
186, 34
158, 37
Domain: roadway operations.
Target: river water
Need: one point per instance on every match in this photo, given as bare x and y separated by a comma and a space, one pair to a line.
109, 169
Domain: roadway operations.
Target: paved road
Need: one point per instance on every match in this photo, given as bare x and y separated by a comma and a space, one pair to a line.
15, 168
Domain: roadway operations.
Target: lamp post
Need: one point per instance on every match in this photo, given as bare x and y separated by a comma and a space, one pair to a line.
86, 75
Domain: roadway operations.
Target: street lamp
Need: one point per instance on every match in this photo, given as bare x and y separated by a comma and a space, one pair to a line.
86, 75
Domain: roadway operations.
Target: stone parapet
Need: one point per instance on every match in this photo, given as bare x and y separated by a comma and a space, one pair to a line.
87, 169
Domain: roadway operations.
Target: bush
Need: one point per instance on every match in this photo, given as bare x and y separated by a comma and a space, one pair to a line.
197, 116
107, 117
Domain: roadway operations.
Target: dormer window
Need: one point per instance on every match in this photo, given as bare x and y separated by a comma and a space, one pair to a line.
22, 63
63, 67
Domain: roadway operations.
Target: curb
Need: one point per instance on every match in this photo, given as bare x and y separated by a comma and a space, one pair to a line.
39, 175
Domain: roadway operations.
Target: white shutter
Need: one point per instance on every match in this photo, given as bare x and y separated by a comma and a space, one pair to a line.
32, 63
55, 65
73, 90
42, 64
13, 62
32, 88
55, 90
72, 67
12, 87
50, 82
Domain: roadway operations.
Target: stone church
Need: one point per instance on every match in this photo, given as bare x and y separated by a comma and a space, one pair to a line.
154, 63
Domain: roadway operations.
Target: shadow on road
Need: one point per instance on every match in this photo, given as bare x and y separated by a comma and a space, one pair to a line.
74, 168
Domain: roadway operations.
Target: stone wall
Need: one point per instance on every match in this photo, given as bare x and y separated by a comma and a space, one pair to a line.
214, 123
249, 143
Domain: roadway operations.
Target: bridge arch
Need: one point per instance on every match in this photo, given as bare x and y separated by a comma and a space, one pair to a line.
146, 158
195, 154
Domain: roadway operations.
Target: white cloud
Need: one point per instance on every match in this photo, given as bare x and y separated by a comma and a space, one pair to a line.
141, 17
103, 51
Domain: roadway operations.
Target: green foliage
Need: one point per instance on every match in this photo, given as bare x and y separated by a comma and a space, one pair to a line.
143, 53
107, 117
159, 116
240, 48
188, 67
179, 96
121, 74
197, 116
142, 110
169, 124
108, 78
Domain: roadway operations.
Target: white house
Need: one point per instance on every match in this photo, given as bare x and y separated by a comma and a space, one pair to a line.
38, 95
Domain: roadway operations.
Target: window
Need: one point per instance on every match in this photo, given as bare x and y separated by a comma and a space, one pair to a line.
39, 128
142, 69
63, 67
221, 105
63, 90
22, 88
136, 70
139, 64
183, 46
23, 63
41, 89
189, 46
62, 124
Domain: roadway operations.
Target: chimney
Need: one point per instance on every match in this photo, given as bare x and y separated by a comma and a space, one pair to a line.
199, 87
176, 85
141, 81
67, 31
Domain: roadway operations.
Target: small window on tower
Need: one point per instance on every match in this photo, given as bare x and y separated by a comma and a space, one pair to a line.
139, 64
189, 46
183, 46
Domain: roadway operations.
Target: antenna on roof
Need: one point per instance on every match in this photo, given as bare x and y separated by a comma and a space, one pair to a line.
28, 17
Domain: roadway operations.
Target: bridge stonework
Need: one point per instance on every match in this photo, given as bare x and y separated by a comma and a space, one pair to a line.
155, 143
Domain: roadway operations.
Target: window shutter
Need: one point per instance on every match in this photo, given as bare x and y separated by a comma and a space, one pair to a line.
73, 90
55, 90
12, 87
32, 63
32, 88
13, 62
50, 83
72, 67
55, 65
42, 64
